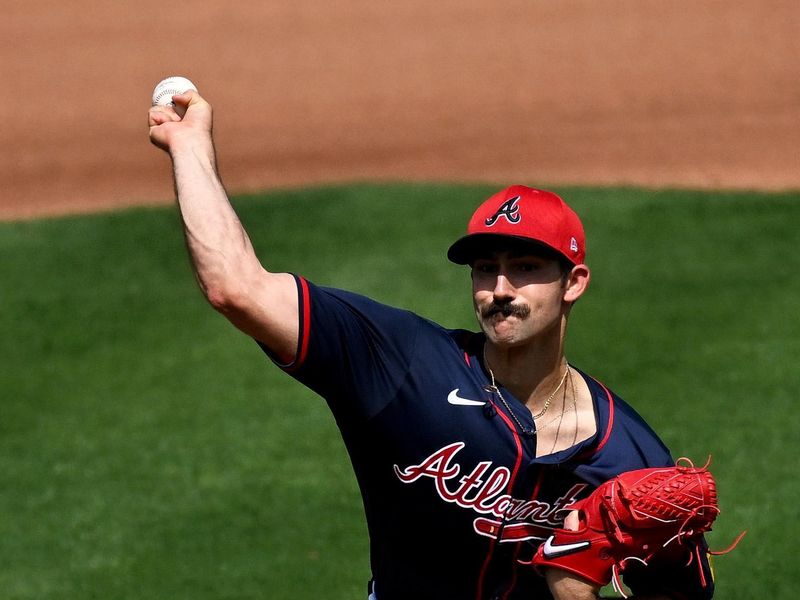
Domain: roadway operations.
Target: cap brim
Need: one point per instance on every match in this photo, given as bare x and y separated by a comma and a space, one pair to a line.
466, 249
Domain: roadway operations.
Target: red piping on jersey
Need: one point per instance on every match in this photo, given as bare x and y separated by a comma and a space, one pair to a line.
305, 324
518, 549
540, 478
518, 443
609, 423
493, 543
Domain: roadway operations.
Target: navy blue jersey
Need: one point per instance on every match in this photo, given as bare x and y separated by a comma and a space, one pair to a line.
455, 498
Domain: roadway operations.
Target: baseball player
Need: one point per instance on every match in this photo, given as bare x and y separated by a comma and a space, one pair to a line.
468, 447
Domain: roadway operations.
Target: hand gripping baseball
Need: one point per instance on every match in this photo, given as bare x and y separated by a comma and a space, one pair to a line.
637, 516
169, 130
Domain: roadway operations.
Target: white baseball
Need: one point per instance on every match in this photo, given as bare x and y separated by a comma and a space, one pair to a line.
169, 87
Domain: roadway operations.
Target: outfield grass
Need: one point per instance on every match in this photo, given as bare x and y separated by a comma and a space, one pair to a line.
148, 450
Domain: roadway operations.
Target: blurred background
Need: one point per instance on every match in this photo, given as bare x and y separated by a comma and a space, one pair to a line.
703, 93
149, 450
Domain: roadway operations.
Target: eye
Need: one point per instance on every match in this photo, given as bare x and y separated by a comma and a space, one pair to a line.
484, 267
528, 266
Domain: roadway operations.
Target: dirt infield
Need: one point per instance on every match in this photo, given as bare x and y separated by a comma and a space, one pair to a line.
703, 93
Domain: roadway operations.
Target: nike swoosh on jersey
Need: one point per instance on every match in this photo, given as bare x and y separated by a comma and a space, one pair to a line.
456, 400
552, 550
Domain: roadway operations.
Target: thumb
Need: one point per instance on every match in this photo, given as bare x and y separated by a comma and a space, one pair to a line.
573, 521
184, 100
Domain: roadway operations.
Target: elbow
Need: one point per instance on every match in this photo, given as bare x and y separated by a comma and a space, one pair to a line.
225, 299
219, 298
233, 293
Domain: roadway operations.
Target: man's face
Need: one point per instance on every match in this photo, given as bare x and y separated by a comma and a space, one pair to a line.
518, 296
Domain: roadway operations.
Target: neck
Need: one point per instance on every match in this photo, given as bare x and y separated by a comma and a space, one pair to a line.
531, 373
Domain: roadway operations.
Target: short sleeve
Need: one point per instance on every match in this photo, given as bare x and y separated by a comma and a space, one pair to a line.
353, 351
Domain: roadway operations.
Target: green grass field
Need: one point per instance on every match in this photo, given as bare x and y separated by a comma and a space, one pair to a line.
148, 450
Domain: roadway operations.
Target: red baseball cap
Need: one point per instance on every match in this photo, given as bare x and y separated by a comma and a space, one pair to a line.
524, 214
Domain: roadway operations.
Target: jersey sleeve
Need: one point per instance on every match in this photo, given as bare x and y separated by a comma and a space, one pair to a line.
353, 351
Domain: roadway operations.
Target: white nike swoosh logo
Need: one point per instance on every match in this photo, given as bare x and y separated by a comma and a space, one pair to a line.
552, 550
456, 400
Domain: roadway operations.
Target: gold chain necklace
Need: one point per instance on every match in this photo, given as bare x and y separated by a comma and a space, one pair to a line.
560, 418
524, 430
546, 402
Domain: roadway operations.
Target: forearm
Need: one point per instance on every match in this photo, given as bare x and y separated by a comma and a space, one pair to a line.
220, 250
566, 586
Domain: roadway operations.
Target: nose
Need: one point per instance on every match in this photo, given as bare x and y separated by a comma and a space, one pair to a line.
503, 289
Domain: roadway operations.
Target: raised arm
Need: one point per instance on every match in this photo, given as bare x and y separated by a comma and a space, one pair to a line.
261, 304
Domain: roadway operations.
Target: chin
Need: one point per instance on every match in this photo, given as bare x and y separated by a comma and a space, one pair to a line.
506, 342
503, 336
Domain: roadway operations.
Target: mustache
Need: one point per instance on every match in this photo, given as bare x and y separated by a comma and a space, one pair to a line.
507, 309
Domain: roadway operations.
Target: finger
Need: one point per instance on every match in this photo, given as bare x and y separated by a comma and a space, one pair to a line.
183, 101
187, 99
573, 521
184, 98
193, 104
158, 115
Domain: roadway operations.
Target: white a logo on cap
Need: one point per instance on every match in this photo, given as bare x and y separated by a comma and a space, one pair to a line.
508, 209
573, 244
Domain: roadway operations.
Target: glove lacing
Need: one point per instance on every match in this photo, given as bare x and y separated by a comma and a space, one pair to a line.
686, 535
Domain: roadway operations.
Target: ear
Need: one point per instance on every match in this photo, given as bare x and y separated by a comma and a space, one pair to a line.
577, 282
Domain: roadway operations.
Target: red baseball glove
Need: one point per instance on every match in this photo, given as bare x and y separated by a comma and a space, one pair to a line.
635, 517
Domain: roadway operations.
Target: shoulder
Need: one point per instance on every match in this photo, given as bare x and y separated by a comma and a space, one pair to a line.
333, 305
355, 303
354, 319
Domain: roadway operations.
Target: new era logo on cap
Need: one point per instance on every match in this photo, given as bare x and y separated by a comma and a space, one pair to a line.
573, 245
526, 214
